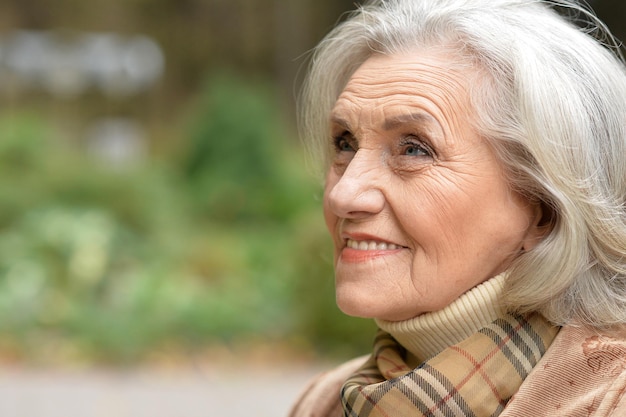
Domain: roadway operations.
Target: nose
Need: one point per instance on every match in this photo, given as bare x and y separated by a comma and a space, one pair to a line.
356, 193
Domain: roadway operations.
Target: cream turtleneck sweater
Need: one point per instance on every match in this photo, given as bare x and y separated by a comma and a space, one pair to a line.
428, 334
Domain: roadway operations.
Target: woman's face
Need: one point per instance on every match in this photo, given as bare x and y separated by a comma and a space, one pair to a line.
416, 202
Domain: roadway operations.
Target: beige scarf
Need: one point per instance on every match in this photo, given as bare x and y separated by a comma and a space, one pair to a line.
476, 377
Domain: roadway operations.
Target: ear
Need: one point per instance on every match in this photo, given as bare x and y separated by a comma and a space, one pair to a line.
542, 222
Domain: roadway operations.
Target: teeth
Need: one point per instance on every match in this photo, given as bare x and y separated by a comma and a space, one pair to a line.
371, 245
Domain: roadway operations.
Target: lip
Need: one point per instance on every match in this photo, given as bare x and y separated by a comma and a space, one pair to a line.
350, 255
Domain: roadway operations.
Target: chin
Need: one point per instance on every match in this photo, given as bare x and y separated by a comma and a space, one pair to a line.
365, 306
355, 306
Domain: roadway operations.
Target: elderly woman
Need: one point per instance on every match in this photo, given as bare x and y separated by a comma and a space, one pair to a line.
476, 196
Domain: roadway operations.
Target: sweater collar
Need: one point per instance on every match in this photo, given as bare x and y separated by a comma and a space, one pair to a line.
428, 334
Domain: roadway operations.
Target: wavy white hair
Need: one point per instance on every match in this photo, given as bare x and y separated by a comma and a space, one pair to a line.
551, 99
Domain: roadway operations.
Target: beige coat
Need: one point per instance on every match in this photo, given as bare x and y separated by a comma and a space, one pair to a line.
583, 374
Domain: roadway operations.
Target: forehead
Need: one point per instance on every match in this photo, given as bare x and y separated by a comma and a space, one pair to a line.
434, 82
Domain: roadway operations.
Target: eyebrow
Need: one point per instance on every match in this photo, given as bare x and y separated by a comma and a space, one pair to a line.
341, 122
390, 123
396, 121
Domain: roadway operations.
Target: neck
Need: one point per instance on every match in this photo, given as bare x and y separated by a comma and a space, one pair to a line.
428, 334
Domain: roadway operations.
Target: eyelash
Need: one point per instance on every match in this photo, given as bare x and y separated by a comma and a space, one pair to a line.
412, 142
340, 140
409, 142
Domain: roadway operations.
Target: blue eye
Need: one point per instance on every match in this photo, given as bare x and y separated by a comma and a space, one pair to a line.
415, 149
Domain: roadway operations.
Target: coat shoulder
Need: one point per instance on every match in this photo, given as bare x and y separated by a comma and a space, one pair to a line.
321, 397
583, 370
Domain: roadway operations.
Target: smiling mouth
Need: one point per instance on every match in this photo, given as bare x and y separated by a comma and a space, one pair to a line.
365, 245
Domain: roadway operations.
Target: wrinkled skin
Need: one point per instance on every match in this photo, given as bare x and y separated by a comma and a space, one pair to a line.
415, 200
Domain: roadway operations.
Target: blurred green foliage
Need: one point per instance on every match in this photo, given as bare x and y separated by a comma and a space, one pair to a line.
218, 241
240, 161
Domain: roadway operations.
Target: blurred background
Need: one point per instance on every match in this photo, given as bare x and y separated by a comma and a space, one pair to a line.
155, 207
153, 195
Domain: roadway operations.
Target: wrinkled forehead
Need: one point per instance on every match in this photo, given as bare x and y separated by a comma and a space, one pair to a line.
449, 67
395, 87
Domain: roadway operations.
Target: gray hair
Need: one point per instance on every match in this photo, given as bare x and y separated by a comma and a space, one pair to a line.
552, 104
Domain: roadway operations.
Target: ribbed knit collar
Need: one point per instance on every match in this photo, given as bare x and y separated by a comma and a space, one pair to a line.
428, 334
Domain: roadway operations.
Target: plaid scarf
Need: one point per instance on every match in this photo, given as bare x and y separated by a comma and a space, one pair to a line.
473, 378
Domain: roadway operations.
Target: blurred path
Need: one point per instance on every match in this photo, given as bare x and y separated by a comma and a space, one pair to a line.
187, 392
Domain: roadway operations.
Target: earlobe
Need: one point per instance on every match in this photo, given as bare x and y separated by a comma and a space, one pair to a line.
540, 227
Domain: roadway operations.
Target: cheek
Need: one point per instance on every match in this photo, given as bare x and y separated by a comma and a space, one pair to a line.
435, 204
445, 217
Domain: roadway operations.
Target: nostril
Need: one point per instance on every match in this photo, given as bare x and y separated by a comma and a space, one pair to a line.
357, 191
356, 202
